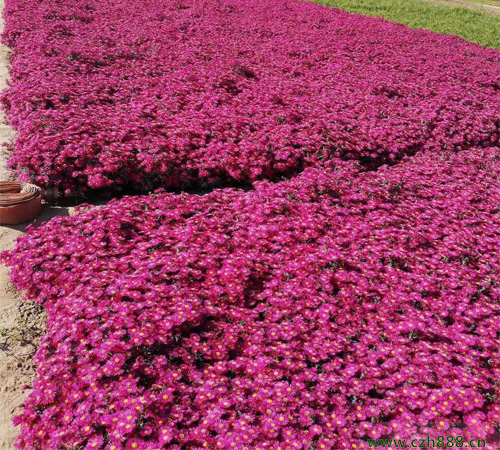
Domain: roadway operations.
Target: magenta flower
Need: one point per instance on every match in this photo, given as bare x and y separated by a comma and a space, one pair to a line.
109, 95
316, 312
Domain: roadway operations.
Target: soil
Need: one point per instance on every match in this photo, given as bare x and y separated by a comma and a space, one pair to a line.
488, 9
21, 323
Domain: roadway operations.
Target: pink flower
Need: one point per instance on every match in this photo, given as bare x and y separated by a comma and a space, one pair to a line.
358, 298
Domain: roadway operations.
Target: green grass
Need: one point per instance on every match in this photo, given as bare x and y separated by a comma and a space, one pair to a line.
475, 26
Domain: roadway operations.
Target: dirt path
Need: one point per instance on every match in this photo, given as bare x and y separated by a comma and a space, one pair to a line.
12, 376
21, 323
489, 9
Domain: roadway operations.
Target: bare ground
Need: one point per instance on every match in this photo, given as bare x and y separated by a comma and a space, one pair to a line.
21, 323
488, 9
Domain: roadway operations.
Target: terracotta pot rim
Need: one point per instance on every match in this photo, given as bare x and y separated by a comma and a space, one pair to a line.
2, 208
20, 202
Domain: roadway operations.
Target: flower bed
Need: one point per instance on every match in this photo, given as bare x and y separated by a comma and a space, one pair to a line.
312, 313
167, 93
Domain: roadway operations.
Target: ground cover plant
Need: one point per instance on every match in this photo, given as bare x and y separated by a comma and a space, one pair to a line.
312, 313
170, 92
358, 298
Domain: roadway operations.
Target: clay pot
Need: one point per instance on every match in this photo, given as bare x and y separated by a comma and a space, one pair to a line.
51, 194
19, 202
